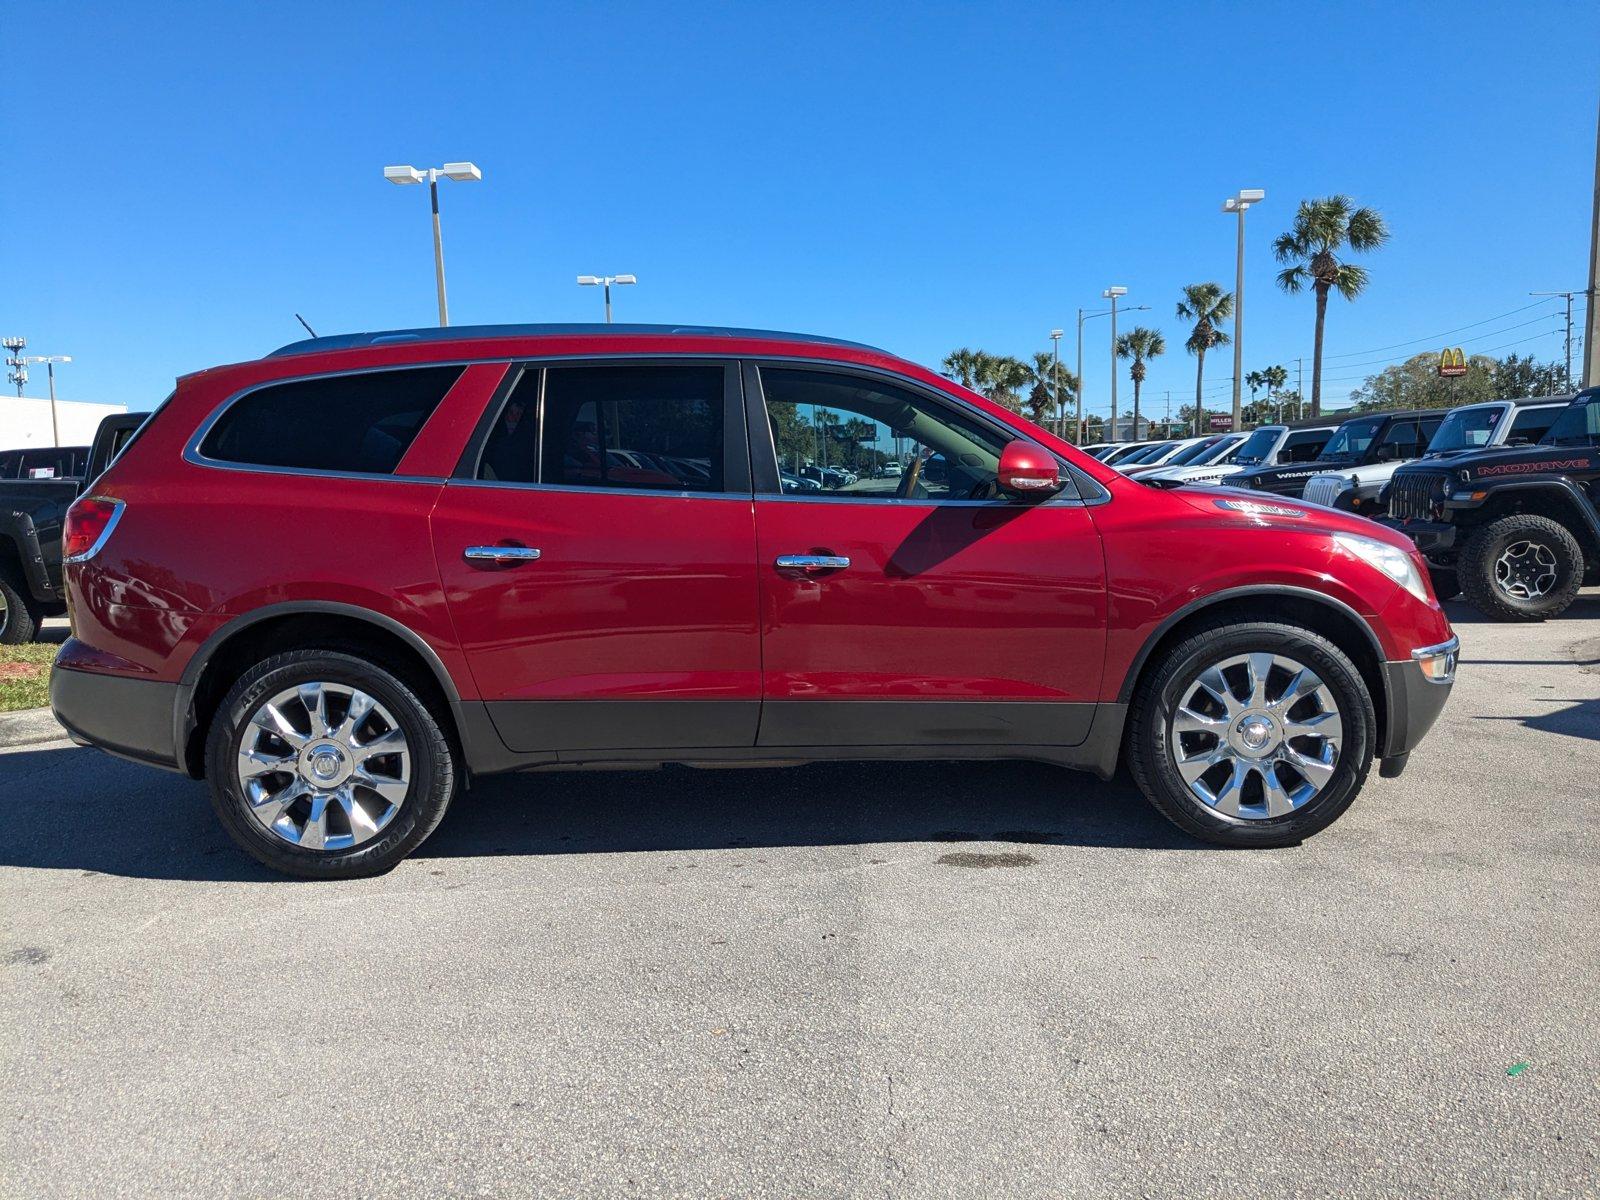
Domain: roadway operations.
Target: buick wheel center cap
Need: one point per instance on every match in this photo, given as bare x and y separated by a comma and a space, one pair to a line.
1255, 735
1255, 732
325, 765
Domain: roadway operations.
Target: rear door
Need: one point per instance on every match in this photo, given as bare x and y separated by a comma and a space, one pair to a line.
597, 547
918, 608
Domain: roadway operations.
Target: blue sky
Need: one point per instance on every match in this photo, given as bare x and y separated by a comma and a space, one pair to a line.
184, 178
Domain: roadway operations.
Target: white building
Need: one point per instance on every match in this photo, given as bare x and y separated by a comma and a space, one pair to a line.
25, 421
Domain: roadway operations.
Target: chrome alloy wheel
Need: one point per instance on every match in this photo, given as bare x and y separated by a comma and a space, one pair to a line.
1256, 736
1526, 571
324, 766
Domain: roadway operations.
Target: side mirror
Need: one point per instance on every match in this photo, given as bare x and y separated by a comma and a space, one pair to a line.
1028, 471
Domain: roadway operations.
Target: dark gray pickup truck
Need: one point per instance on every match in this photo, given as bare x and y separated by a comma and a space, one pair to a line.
31, 513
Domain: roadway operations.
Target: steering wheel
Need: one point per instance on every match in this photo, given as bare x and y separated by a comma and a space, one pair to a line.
908, 481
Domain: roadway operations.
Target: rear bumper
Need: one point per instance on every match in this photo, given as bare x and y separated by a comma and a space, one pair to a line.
1415, 700
128, 717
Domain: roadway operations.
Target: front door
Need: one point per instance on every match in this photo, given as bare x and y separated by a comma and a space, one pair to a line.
598, 556
904, 601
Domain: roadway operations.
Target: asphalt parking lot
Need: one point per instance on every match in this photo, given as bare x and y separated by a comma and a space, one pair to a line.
904, 980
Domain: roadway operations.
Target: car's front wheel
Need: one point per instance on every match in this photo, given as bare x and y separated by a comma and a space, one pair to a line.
327, 766
1252, 734
1521, 568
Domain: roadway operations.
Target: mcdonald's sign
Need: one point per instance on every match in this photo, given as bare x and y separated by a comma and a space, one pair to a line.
1452, 363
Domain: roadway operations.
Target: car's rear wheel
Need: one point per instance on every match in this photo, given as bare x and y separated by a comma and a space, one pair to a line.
1252, 734
19, 624
1521, 568
327, 766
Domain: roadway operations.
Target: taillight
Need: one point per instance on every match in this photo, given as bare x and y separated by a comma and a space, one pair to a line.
89, 523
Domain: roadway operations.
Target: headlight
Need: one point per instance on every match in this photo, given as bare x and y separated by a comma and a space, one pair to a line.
1391, 560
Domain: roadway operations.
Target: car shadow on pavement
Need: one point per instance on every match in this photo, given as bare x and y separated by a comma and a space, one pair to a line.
823, 804
1587, 605
69, 808
1580, 720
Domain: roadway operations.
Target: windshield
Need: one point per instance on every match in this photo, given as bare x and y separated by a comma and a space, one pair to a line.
1149, 454
1258, 445
1350, 441
1578, 425
1190, 453
1218, 451
1466, 429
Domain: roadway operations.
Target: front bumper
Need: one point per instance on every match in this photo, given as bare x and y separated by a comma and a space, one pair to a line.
131, 718
1431, 537
1416, 698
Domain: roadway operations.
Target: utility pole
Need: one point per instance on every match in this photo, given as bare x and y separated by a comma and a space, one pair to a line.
1568, 297
1167, 423
18, 364
1591, 336
1299, 386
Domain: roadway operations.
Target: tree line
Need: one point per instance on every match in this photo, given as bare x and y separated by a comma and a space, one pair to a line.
1313, 253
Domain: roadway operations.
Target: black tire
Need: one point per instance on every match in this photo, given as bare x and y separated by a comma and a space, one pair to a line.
1486, 545
433, 763
19, 623
1446, 582
1159, 693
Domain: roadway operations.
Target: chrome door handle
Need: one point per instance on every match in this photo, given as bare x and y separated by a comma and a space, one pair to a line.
504, 555
811, 564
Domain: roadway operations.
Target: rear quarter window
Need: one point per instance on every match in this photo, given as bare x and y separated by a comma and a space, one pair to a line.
1532, 424
361, 423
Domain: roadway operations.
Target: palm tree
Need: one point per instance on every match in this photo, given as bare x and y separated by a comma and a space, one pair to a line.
1052, 388
999, 377
1321, 229
1140, 344
962, 365
1273, 378
1205, 304
1255, 381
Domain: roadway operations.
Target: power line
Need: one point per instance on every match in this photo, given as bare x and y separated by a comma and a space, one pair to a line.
1435, 336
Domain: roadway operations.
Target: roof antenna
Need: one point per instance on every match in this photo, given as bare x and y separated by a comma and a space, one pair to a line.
302, 321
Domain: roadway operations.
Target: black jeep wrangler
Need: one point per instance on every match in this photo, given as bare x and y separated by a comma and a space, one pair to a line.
1370, 438
1518, 526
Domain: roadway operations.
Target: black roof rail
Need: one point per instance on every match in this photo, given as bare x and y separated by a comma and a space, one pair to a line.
350, 341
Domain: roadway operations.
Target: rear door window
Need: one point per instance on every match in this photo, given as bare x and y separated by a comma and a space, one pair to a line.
1304, 446
361, 423
629, 426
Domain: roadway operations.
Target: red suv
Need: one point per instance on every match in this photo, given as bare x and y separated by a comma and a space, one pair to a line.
342, 581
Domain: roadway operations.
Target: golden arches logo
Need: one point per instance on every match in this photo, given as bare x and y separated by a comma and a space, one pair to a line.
1452, 362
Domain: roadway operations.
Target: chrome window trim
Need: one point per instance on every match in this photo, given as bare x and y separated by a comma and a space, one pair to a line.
191, 452
1102, 496
191, 449
746, 497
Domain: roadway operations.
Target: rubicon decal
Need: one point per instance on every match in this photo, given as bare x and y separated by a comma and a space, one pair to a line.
1528, 468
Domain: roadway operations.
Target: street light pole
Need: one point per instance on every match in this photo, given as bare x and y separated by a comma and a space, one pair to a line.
461, 172
605, 281
1238, 204
1055, 386
50, 361
1113, 294
1591, 335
